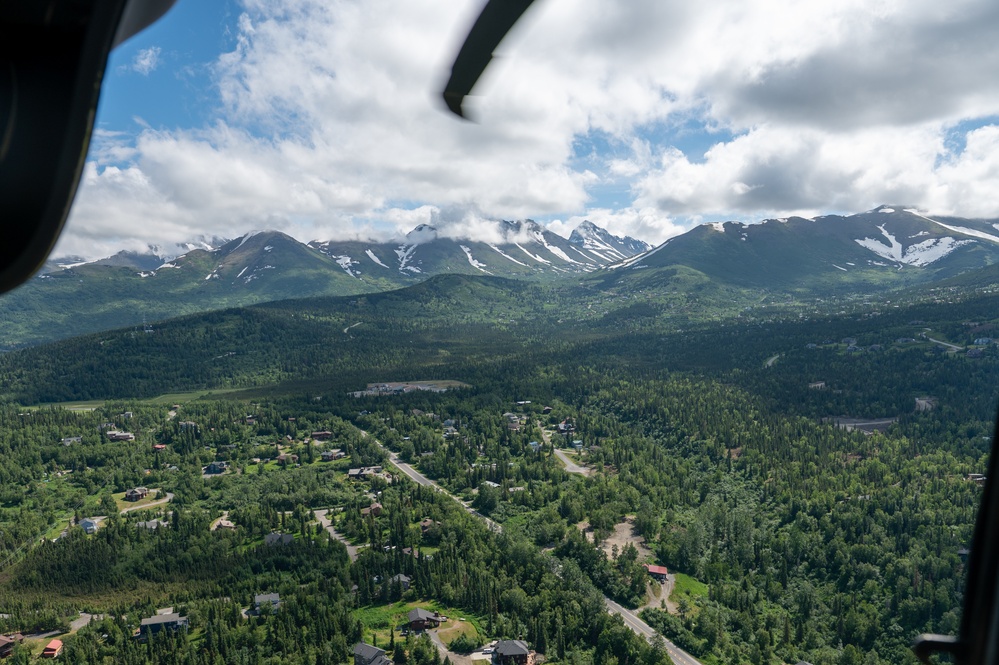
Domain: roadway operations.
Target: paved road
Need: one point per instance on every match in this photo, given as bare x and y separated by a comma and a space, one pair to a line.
771, 360
679, 656
327, 523
952, 347
83, 620
631, 620
571, 466
419, 478
158, 502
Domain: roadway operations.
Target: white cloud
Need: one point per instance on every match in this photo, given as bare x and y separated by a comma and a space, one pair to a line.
329, 123
146, 60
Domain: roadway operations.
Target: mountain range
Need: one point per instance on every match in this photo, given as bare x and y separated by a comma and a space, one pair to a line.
71, 296
889, 246
885, 248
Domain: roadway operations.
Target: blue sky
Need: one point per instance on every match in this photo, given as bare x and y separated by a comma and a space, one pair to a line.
321, 118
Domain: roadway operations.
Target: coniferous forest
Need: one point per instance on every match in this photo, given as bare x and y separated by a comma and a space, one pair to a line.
810, 478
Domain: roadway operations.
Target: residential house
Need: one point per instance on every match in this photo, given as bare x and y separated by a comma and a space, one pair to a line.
274, 538
324, 435
565, 427
151, 525
421, 619
374, 509
364, 472
284, 459
115, 435
89, 525
658, 573
270, 600
817, 385
534, 446
577, 444
53, 649
426, 524
7, 643
402, 580
159, 446
225, 524
70, 440
546, 410
513, 652
216, 467
365, 654
983, 341
330, 455
171, 622
188, 424
136, 494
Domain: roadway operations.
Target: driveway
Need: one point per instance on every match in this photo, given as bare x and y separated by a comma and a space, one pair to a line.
327, 523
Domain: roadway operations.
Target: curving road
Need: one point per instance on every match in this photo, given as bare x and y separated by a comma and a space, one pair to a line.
420, 479
631, 620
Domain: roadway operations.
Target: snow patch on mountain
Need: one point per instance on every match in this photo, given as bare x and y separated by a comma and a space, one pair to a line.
533, 256
631, 260
956, 229
371, 255
472, 262
405, 253
241, 272
345, 262
920, 254
887, 210
247, 237
507, 256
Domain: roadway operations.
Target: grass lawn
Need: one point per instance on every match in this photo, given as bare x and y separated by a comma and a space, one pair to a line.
451, 630
152, 497
378, 620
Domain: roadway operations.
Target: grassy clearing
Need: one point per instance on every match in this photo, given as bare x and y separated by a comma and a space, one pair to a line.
166, 399
687, 586
154, 495
379, 620
454, 628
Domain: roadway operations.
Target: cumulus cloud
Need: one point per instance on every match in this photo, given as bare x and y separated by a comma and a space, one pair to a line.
329, 126
146, 60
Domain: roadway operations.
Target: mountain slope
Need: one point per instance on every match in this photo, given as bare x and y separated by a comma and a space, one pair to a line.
101, 295
131, 289
513, 249
887, 246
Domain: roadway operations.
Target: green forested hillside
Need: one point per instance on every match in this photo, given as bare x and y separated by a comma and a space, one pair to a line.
709, 448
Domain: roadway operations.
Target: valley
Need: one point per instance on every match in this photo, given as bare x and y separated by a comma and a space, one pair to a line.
358, 497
